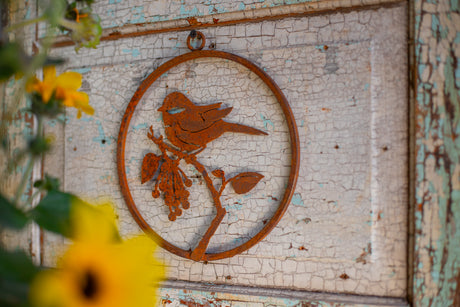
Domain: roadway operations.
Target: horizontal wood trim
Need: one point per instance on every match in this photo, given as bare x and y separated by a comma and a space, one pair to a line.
241, 293
247, 16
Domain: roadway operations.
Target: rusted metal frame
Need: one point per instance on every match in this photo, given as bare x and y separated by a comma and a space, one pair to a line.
294, 156
198, 35
117, 33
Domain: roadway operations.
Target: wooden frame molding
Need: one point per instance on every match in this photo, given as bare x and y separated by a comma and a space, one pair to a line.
247, 16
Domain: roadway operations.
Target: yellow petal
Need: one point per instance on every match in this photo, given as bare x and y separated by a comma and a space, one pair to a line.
93, 223
47, 91
49, 74
18, 75
144, 268
67, 96
79, 100
46, 289
30, 84
69, 80
82, 103
88, 109
61, 94
76, 99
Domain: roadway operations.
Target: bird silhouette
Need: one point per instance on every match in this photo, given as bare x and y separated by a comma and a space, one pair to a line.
191, 127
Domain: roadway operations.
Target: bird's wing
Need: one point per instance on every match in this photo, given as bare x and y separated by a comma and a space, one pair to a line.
202, 117
197, 139
208, 107
213, 115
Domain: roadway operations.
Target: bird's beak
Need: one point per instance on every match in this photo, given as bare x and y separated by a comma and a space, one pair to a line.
161, 109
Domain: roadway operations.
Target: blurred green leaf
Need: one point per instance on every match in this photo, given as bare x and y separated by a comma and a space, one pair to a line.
11, 55
5, 141
88, 2
48, 183
54, 11
16, 266
16, 273
10, 216
53, 212
38, 146
13, 294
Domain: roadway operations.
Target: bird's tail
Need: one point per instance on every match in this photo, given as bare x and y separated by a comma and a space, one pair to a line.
232, 127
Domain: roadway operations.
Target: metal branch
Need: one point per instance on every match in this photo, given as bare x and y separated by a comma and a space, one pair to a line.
198, 253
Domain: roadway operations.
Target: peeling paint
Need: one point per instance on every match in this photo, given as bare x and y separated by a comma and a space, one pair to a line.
140, 126
134, 52
82, 70
437, 194
102, 139
267, 122
138, 15
297, 200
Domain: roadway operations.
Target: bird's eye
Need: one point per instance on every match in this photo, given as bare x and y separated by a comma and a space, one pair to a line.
175, 110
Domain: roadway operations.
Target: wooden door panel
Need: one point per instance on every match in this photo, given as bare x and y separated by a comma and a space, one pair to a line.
344, 75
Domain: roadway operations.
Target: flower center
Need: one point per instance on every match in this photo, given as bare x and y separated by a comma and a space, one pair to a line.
90, 285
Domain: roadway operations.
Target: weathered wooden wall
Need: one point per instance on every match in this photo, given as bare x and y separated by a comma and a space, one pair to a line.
435, 28
437, 166
343, 67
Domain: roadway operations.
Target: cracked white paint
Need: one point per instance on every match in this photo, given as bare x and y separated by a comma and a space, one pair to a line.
344, 76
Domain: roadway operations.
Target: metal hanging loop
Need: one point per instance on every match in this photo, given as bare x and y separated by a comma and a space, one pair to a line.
196, 35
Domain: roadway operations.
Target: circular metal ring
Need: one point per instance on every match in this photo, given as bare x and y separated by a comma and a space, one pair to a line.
199, 35
295, 148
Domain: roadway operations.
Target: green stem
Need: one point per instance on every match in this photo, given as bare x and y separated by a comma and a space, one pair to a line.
30, 165
25, 178
30, 199
25, 23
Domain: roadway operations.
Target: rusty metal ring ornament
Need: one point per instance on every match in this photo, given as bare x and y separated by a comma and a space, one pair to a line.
293, 175
196, 34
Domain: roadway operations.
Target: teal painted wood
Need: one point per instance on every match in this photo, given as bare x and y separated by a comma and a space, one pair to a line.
437, 165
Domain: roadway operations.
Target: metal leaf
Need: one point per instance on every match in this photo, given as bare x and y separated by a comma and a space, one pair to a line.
245, 182
149, 166
218, 173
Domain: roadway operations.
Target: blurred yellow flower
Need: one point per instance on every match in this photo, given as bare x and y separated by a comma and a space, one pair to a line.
99, 269
93, 223
64, 87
